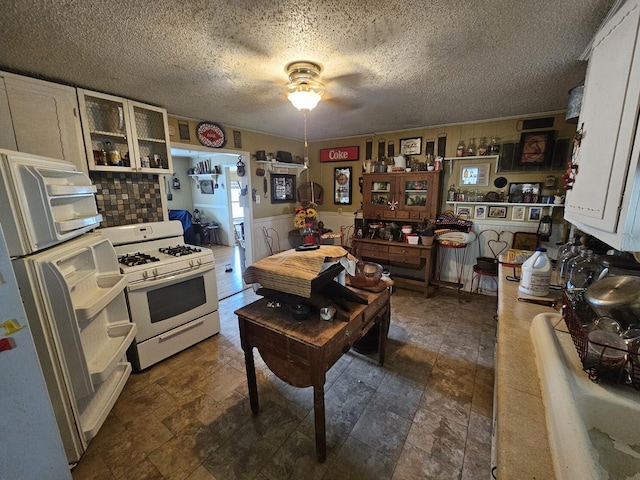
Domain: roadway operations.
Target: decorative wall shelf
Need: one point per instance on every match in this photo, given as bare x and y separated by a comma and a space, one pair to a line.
273, 166
508, 204
475, 157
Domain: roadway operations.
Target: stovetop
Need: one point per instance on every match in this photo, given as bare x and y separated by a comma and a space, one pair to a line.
142, 258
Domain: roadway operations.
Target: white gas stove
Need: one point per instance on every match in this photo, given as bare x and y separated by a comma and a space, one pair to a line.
172, 292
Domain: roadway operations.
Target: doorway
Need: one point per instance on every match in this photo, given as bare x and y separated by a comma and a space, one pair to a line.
231, 204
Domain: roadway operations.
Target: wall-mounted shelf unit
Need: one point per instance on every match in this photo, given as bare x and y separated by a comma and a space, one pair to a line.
551, 206
274, 166
475, 157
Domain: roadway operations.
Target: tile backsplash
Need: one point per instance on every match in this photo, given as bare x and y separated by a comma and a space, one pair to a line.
127, 198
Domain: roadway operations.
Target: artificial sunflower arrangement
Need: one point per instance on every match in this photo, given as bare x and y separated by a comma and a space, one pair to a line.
305, 213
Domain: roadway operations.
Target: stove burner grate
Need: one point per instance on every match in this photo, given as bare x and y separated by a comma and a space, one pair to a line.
179, 250
133, 259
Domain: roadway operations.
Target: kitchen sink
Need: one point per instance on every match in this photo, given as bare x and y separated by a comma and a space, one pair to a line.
593, 428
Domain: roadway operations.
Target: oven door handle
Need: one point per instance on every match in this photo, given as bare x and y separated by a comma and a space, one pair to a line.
170, 277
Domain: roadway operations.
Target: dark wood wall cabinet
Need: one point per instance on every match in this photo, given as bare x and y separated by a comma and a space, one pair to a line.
405, 199
402, 196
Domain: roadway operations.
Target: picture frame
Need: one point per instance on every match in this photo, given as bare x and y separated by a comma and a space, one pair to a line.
342, 185
517, 213
536, 148
411, 146
535, 213
524, 192
283, 188
477, 175
497, 212
480, 212
206, 187
463, 213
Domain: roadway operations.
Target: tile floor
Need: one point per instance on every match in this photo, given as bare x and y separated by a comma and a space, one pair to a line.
425, 414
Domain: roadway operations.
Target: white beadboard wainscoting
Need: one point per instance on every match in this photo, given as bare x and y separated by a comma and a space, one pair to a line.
282, 224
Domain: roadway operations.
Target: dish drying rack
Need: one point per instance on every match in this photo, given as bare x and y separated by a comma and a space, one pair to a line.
577, 314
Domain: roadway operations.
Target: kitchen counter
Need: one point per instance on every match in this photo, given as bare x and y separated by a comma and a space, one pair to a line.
522, 444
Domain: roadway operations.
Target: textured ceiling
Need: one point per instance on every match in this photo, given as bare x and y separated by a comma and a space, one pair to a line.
387, 66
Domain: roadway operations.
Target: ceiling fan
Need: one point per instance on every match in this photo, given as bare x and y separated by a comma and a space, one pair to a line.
304, 89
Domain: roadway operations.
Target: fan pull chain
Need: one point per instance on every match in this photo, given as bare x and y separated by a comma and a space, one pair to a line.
306, 158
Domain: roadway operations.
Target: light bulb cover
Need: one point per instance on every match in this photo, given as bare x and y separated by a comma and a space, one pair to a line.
304, 98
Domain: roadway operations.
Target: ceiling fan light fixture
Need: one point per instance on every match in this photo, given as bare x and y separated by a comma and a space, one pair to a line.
304, 90
304, 99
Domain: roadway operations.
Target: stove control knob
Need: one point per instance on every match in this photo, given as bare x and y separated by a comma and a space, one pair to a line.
155, 272
145, 275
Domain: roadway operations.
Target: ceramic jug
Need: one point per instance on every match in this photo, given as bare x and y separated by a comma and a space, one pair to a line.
558, 199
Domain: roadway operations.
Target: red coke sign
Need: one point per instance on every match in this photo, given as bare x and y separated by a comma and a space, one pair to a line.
339, 154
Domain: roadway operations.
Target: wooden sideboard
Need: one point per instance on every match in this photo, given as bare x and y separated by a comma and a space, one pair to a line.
418, 258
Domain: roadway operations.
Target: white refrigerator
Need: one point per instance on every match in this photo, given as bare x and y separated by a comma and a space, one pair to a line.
31, 445
71, 290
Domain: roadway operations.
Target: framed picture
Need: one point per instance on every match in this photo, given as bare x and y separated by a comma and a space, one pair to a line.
534, 213
206, 187
411, 146
480, 212
524, 192
342, 186
283, 188
517, 213
475, 175
497, 212
463, 212
536, 148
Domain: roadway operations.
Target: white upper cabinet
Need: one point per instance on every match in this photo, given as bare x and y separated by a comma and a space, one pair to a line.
123, 135
41, 118
605, 198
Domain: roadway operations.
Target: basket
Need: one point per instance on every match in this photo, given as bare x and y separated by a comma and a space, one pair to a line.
425, 240
577, 314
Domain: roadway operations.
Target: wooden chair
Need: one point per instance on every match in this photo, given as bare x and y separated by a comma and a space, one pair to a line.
272, 239
521, 241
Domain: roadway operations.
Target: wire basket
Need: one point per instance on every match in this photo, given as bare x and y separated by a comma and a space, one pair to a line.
577, 315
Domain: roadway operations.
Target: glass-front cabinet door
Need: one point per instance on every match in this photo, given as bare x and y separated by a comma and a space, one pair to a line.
151, 132
378, 193
106, 130
124, 135
416, 191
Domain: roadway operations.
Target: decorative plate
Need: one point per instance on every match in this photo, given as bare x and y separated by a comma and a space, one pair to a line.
211, 135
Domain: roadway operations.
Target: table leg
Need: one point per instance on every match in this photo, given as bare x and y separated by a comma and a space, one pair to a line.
318, 414
384, 332
251, 379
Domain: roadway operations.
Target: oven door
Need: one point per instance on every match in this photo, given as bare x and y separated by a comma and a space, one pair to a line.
158, 305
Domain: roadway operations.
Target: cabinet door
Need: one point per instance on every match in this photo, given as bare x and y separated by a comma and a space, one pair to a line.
608, 116
7, 138
45, 119
420, 194
105, 124
378, 191
150, 131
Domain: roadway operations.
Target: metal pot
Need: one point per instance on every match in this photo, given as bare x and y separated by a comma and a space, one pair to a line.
617, 297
